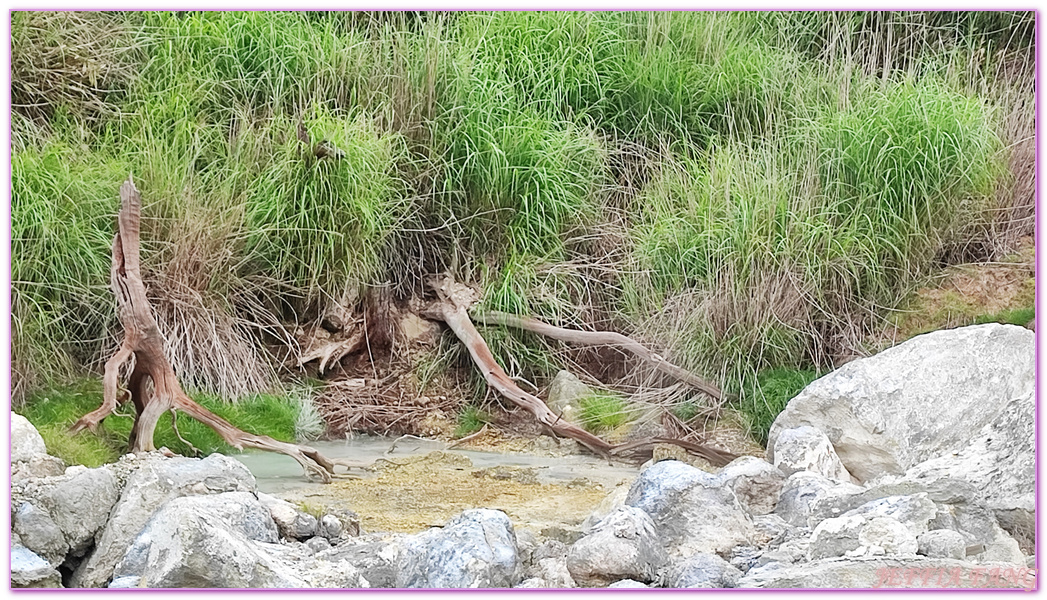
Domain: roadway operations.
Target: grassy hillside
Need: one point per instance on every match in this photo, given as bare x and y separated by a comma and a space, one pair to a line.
747, 192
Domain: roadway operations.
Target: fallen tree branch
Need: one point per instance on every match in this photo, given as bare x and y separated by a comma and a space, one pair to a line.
600, 338
143, 342
452, 309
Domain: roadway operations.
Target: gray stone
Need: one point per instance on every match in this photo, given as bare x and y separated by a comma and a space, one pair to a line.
25, 440
700, 570
943, 543
857, 535
915, 511
476, 549
78, 504
123, 583
318, 544
292, 522
330, 527
530, 583
623, 545
38, 532
787, 553
802, 493
807, 449
885, 572
553, 572
208, 541
39, 465
692, 510
771, 531
948, 405
565, 393
377, 556
744, 558
28, 570
756, 483
152, 483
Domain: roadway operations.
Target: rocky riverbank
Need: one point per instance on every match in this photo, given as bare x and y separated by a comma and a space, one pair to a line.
912, 468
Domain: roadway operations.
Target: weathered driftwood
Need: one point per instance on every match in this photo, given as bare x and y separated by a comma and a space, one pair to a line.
452, 308
600, 338
143, 342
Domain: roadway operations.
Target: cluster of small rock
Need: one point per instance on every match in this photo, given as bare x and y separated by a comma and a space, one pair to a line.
918, 459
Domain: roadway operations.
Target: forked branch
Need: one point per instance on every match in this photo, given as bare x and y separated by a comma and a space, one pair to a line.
144, 344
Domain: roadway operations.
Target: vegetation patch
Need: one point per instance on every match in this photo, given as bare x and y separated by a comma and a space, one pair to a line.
604, 412
53, 411
769, 394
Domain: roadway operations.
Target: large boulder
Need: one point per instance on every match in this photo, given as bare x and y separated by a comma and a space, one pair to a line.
476, 549
207, 541
154, 481
952, 406
934, 395
29, 457
693, 511
624, 545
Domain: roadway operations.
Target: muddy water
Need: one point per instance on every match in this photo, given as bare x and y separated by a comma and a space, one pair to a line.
420, 485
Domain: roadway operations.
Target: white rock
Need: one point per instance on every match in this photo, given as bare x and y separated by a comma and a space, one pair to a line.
693, 511
624, 545
943, 543
25, 439
884, 536
207, 541
154, 481
808, 449
944, 408
476, 549
755, 482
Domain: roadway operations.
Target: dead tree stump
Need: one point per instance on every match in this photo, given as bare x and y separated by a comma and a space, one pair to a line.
144, 344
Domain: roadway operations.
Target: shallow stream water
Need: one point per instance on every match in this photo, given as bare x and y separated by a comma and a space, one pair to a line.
277, 473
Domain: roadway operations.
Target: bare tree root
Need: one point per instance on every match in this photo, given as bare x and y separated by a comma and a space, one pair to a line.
601, 338
143, 342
